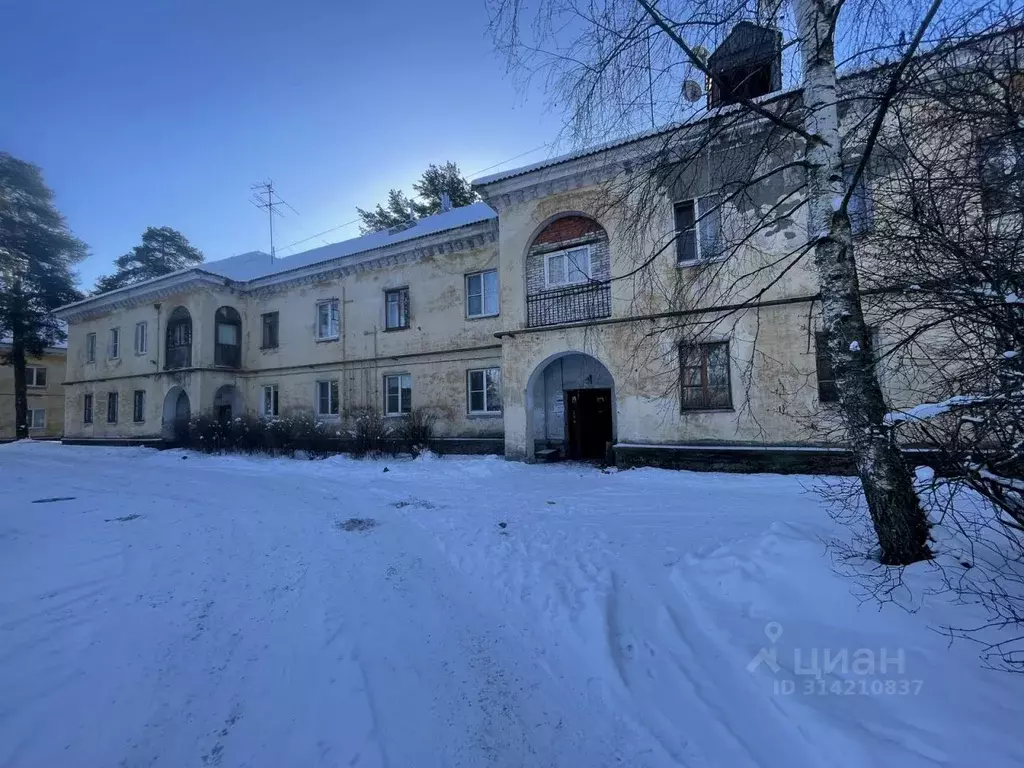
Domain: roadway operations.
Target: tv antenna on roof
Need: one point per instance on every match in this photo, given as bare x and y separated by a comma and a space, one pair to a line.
265, 198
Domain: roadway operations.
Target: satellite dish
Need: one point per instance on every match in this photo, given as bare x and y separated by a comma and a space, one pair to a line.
692, 90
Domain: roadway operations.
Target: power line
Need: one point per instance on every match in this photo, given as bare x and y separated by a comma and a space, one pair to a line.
356, 221
318, 234
509, 160
265, 198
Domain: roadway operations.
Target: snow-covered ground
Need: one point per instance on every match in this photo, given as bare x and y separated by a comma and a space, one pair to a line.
182, 610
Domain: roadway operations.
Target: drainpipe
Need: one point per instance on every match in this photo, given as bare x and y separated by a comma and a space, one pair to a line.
158, 334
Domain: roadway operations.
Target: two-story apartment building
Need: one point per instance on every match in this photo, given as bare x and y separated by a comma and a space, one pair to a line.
532, 323
44, 378
389, 321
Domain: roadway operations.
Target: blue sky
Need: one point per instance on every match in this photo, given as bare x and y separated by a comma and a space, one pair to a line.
164, 112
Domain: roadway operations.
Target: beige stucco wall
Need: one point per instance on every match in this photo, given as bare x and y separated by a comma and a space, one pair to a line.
437, 349
50, 398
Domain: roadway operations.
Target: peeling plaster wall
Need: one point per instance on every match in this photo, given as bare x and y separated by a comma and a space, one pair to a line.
439, 347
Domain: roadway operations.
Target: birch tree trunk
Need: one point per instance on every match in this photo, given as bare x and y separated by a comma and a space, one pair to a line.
899, 521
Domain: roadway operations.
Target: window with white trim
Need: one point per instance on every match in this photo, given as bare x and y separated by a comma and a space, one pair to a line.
90, 347
482, 294
114, 344
141, 338
327, 398
269, 402
698, 229
484, 390
397, 394
87, 409
328, 322
569, 267
139, 406
112, 407
35, 376
36, 418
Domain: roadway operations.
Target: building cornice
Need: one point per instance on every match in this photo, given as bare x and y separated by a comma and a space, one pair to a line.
153, 290
469, 237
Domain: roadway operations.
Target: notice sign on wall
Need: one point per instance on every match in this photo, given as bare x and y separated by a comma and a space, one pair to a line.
558, 405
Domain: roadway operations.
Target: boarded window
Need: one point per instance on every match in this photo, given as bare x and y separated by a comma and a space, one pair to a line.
704, 372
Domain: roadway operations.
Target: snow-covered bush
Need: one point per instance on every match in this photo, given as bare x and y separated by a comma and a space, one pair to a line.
277, 436
372, 433
416, 430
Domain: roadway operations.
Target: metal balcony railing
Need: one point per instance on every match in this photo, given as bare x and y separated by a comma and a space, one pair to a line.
590, 301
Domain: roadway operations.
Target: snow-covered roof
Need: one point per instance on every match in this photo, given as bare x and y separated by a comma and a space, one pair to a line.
257, 264
597, 149
55, 345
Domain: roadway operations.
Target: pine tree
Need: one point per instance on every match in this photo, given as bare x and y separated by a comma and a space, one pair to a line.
435, 182
163, 250
399, 211
439, 180
37, 252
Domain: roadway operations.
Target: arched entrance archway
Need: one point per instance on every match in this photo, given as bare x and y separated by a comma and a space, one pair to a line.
570, 408
227, 403
176, 414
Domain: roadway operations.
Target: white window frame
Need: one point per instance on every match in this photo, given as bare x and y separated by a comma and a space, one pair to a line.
114, 344
135, 395
275, 400
31, 418
565, 253
331, 406
90, 347
699, 222
333, 313
482, 274
487, 411
399, 376
141, 335
31, 381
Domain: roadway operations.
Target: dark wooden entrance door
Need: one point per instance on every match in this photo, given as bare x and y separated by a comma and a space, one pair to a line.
223, 413
588, 416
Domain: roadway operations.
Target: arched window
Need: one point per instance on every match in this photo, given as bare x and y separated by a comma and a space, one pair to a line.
568, 268
228, 340
179, 339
